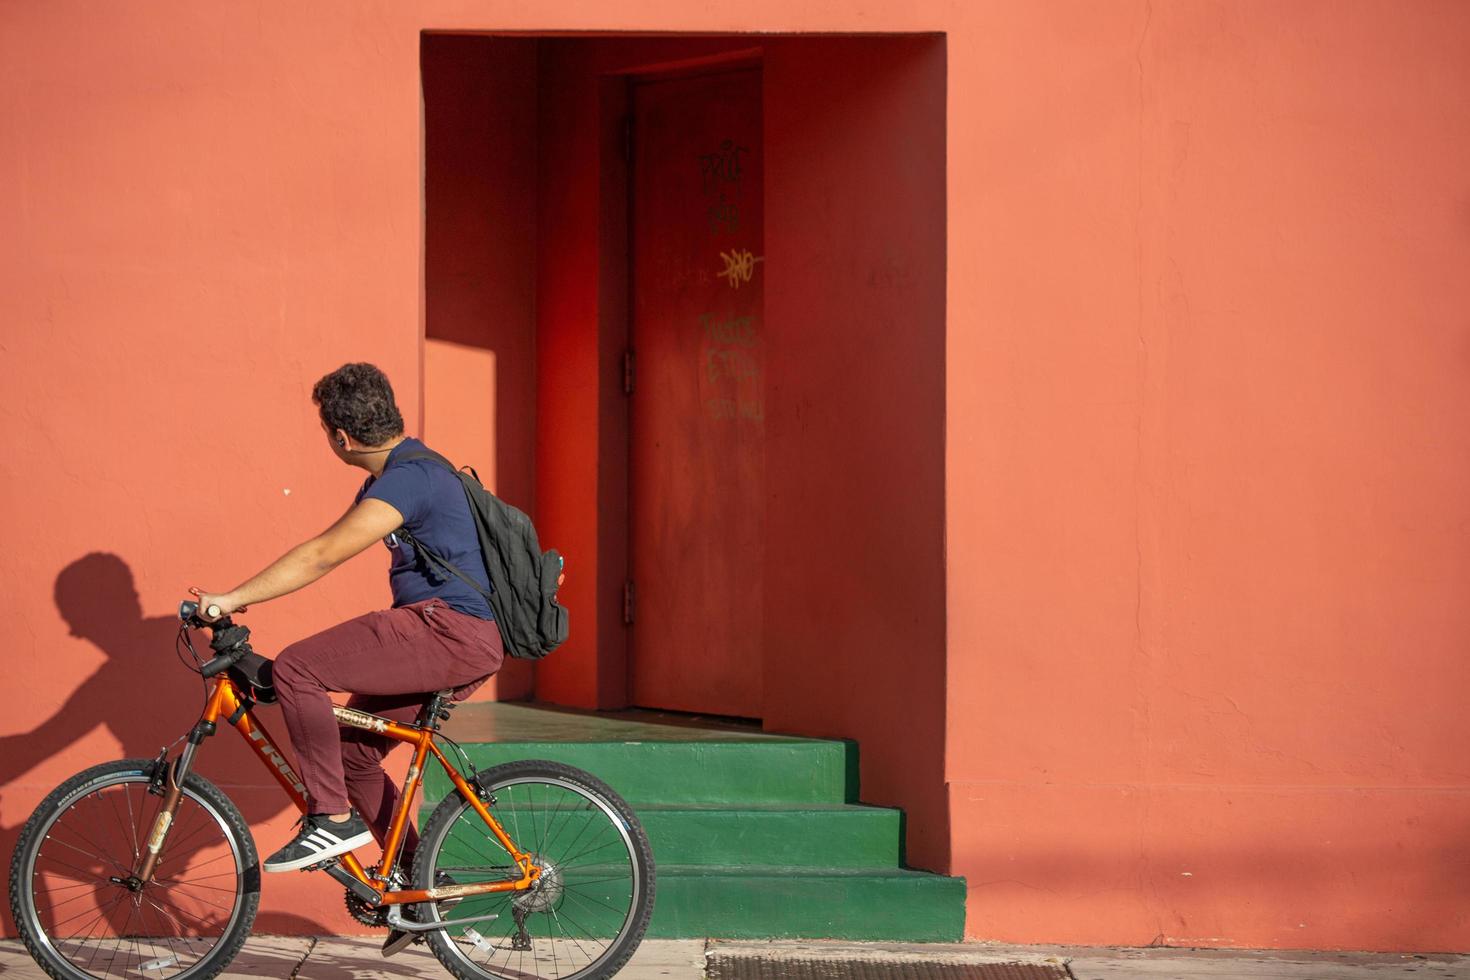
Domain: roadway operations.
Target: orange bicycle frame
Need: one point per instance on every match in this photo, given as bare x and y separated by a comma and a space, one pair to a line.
225, 702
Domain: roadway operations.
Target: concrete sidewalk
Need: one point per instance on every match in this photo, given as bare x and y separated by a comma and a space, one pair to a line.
290, 958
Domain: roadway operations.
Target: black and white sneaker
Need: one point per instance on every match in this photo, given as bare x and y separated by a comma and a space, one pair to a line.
320, 839
400, 939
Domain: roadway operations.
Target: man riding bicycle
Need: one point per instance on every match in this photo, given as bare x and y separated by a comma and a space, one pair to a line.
440, 632
90, 901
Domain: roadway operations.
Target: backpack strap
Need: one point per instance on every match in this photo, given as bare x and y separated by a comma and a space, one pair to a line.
422, 549
430, 454
426, 453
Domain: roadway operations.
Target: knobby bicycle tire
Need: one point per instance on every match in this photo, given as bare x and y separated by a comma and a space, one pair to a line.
595, 898
87, 834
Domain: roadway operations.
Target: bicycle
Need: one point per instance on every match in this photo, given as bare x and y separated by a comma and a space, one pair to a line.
145, 868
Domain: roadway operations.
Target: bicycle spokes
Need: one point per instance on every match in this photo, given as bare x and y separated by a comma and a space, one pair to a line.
96, 912
590, 895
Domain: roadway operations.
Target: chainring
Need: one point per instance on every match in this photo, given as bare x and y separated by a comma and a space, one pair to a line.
365, 913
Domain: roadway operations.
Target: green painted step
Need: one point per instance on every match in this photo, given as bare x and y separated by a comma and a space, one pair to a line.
804, 903
762, 902
797, 835
769, 770
754, 835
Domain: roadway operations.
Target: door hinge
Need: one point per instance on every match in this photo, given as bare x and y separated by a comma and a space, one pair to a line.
627, 372
628, 603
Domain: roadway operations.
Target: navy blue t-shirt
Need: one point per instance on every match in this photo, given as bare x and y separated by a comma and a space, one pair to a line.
432, 502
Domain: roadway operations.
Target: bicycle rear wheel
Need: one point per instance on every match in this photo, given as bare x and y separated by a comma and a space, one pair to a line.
592, 903
71, 900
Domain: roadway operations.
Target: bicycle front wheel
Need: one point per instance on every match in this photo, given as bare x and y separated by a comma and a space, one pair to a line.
81, 917
591, 905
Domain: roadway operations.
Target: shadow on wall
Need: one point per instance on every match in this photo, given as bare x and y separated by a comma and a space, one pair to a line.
142, 698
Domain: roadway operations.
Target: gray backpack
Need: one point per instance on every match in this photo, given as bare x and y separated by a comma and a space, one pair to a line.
522, 577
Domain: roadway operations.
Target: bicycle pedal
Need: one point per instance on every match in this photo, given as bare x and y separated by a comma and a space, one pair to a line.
320, 865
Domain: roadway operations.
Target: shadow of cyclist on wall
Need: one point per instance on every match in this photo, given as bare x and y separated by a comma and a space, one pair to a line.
97, 598
141, 696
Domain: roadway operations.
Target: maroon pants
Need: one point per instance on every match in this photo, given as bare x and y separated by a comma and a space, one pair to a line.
390, 661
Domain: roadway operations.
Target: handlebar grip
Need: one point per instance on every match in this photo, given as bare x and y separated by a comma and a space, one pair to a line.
190, 614
222, 662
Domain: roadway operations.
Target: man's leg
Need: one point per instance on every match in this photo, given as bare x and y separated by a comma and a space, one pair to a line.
372, 790
422, 647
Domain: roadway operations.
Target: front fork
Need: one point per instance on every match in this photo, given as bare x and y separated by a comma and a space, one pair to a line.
170, 780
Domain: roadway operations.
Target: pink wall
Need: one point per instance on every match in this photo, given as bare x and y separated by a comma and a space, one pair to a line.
480, 270
1204, 461
855, 412
1208, 474
204, 211
572, 390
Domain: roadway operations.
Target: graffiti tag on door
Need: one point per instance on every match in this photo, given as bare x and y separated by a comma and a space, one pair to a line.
731, 380
723, 217
739, 266
721, 166
718, 172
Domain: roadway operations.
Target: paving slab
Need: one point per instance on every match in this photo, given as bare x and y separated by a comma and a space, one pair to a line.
269, 956
1235, 964
666, 959
16, 963
359, 959
261, 956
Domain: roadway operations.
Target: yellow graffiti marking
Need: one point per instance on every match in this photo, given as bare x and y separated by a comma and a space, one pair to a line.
739, 266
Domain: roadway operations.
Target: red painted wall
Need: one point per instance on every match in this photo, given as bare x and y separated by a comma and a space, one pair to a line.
571, 394
205, 210
1203, 453
855, 412
480, 154
1208, 473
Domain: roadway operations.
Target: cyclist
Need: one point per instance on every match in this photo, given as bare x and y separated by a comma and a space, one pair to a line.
440, 632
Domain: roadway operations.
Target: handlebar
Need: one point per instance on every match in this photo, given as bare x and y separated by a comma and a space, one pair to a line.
189, 613
230, 642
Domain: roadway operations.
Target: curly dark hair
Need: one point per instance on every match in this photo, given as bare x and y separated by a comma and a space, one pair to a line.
358, 399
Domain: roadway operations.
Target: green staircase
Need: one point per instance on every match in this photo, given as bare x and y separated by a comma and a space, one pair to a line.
754, 835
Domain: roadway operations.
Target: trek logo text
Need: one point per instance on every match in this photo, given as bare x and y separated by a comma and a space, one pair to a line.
276, 759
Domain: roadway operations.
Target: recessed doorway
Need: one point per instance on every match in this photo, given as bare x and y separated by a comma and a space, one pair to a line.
711, 273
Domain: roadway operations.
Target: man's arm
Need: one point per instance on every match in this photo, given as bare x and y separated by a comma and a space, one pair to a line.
304, 564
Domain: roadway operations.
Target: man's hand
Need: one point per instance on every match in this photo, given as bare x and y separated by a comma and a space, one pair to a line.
228, 605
